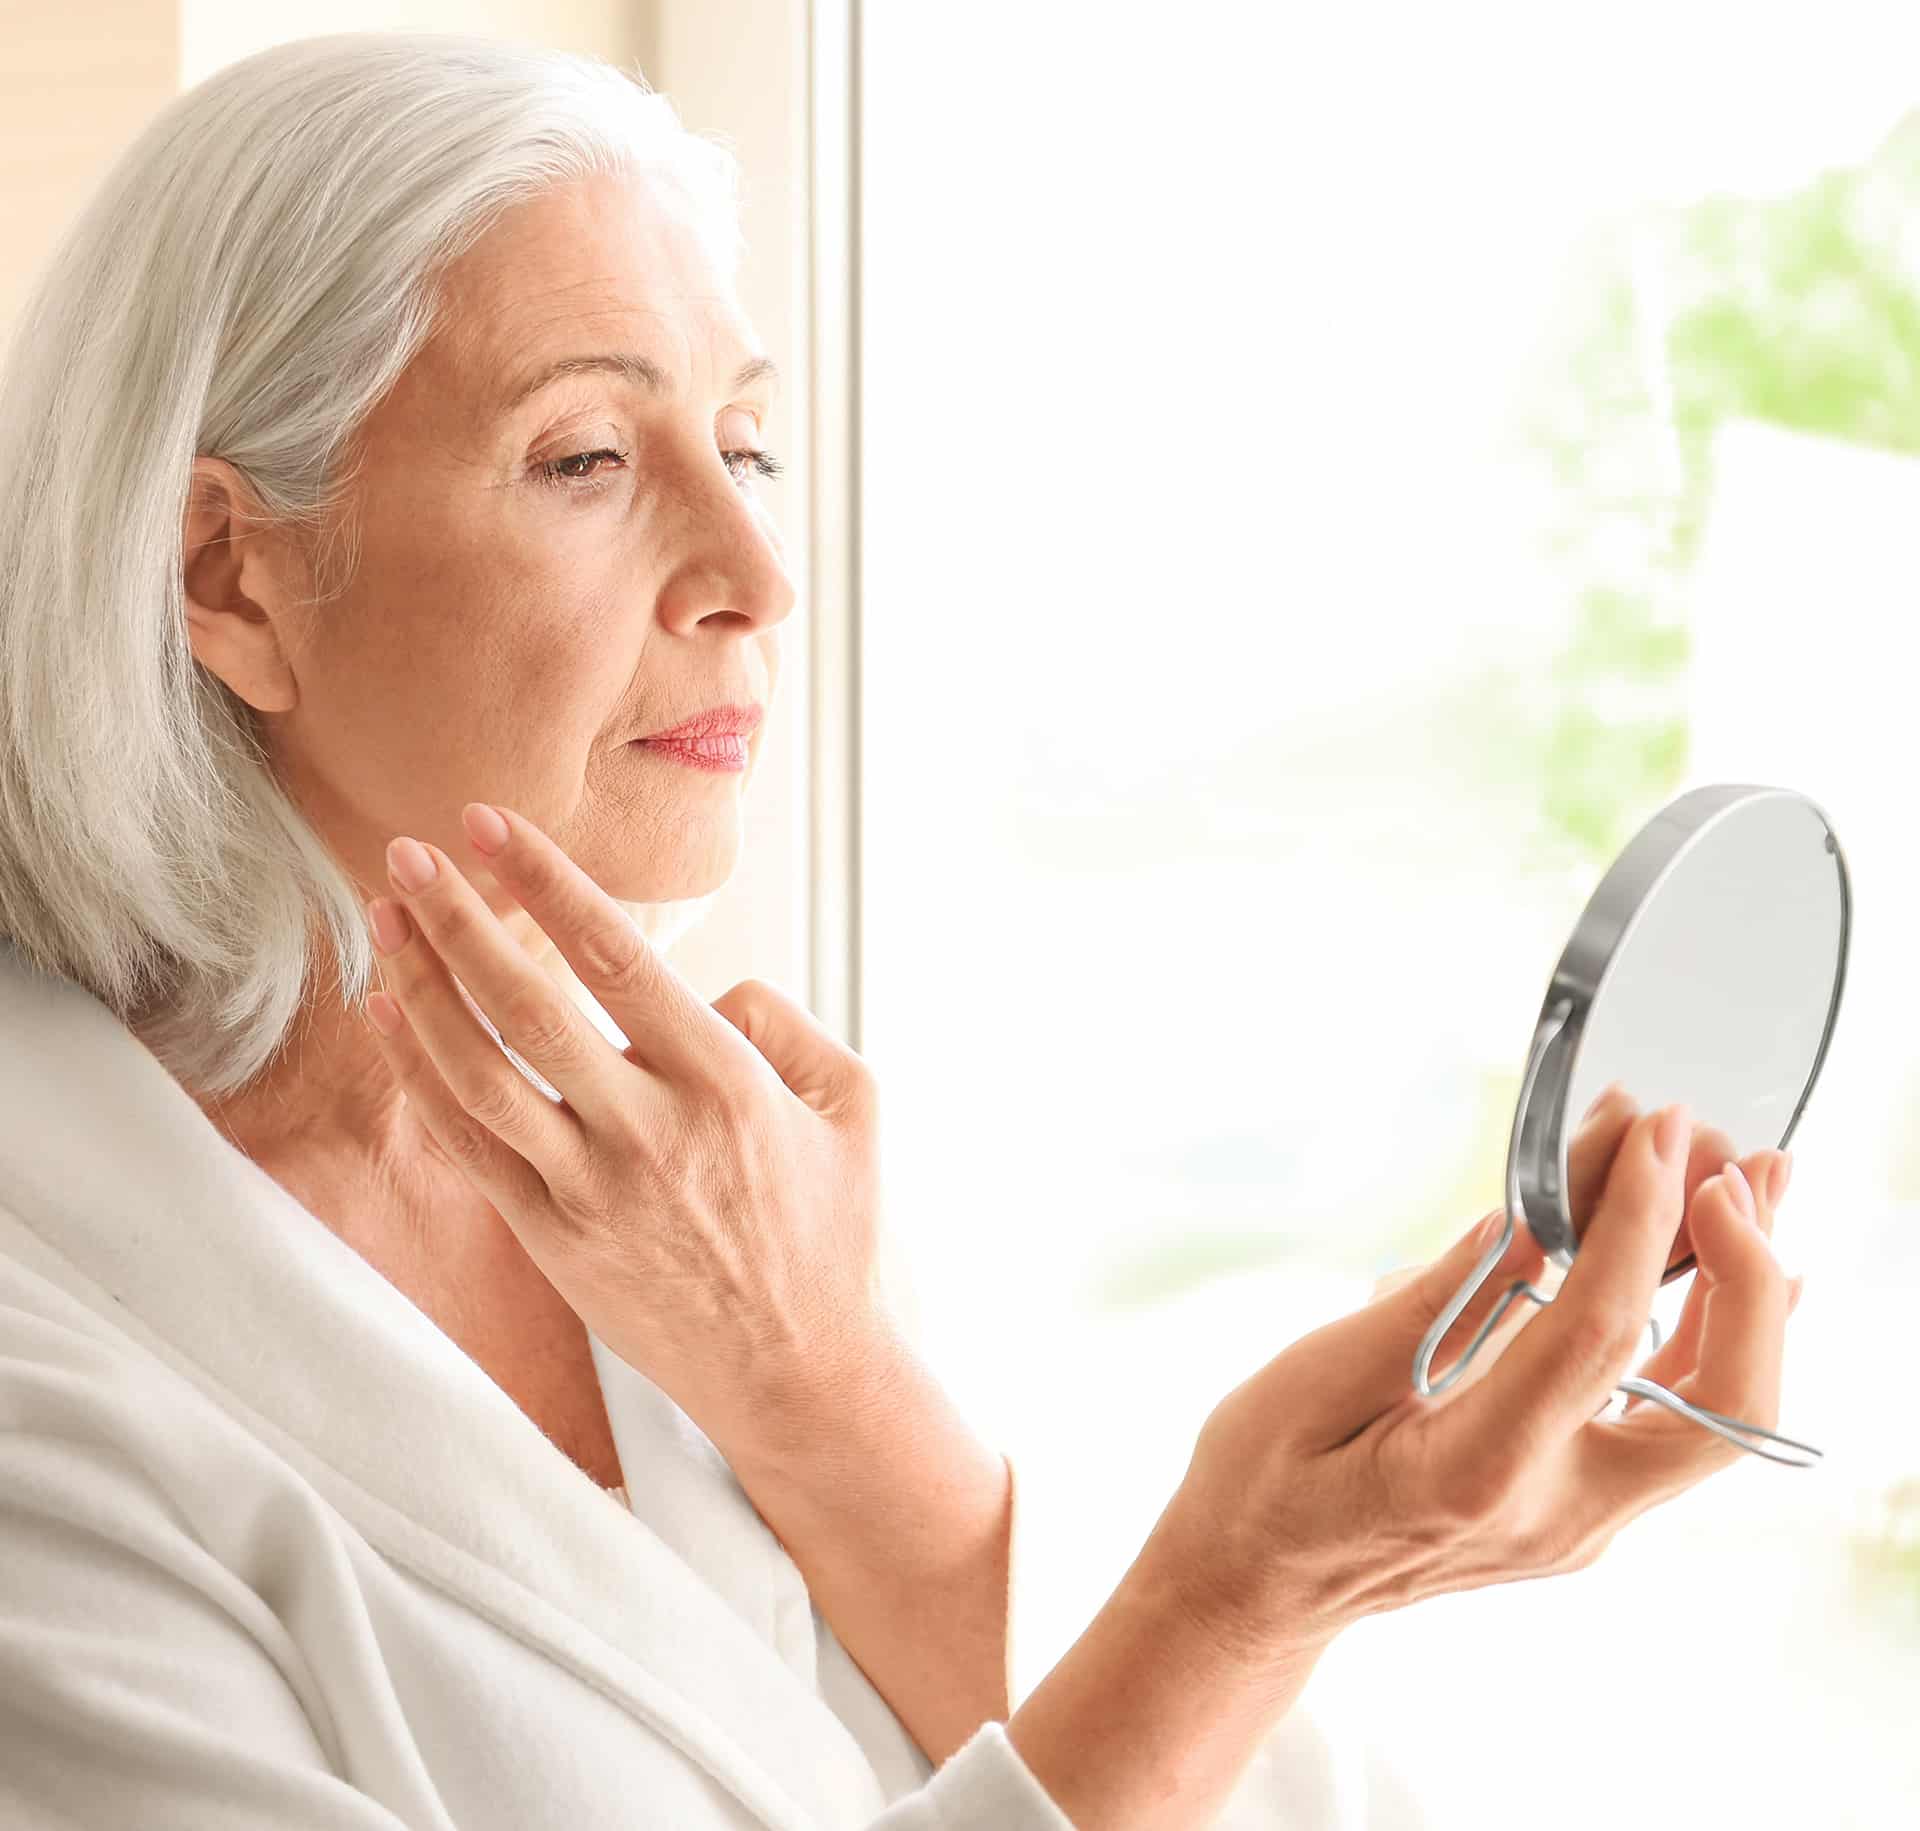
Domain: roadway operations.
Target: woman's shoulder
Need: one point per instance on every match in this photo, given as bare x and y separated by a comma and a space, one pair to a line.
103, 1424
53, 1316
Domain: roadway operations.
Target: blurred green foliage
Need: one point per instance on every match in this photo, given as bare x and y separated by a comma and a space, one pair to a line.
1885, 1561
1798, 310
1184, 1256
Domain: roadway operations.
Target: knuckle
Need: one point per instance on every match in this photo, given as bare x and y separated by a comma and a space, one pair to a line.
497, 1106
680, 1149
455, 924
1556, 1545
1601, 1337
1471, 1491
588, 1217
464, 1141
725, 1131
613, 954
592, 1210
540, 1025
710, 1078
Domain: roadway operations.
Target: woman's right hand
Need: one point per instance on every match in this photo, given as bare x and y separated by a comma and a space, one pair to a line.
1323, 1488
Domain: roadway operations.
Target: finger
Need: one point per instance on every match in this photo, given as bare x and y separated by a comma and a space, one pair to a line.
1564, 1365
1711, 1150
500, 1173
1679, 1353
669, 1028
1457, 1338
1593, 1148
1741, 1339
1377, 1343
1393, 1281
519, 998
1513, 1319
480, 1078
813, 1062
1592, 1151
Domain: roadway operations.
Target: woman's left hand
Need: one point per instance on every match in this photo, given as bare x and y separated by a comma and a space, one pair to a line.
706, 1201
1590, 1155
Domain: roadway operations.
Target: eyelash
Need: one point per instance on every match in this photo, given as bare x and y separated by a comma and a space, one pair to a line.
550, 473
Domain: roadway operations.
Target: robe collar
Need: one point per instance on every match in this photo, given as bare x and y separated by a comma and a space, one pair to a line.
182, 1240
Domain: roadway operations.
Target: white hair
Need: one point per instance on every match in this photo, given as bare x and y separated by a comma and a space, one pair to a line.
248, 280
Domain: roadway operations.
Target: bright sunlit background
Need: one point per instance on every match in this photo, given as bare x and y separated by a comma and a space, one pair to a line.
1331, 475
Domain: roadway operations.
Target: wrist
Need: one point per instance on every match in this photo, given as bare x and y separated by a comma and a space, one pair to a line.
818, 1414
1237, 1598
899, 1518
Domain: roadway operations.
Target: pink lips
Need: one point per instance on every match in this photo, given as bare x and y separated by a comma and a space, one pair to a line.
727, 752
716, 721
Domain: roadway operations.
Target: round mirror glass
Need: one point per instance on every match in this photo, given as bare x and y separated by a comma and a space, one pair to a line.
1707, 968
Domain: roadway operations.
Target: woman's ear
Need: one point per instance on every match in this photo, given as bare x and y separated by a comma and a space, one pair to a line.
238, 611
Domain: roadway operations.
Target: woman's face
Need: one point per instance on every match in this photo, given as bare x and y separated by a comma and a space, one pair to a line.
543, 576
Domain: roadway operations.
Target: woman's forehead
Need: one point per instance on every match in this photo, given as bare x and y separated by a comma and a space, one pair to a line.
604, 239
592, 264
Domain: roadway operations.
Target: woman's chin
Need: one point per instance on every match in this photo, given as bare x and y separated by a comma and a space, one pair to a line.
699, 870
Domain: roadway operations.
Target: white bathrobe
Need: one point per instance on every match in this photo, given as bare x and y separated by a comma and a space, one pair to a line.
275, 1552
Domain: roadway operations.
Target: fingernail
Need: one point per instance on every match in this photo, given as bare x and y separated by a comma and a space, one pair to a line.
389, 924
1781, 1175
484, 826
382, 1014
411, 864
1739, 1188
1673, 1132
1599, 1100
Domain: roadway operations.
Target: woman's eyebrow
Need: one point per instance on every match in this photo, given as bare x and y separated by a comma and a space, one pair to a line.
641, 370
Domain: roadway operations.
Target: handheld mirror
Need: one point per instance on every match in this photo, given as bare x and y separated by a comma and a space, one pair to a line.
1707, 967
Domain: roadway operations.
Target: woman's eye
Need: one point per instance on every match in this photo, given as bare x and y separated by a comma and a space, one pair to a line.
764, 462
566, 473
560, 471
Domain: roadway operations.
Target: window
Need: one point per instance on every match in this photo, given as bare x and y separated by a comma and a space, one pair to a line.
1329, 476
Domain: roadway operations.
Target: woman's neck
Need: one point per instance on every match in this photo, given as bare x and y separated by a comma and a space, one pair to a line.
392, 1194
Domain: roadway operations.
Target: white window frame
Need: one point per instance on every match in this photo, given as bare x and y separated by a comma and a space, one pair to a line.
779, 80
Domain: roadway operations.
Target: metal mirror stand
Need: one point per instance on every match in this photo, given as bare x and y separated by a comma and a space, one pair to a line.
1743, 1436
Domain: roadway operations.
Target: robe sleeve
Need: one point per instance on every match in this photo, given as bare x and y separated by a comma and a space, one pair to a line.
984, 1785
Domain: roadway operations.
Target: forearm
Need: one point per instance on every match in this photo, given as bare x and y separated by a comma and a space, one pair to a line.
1151, 1717
900, 1518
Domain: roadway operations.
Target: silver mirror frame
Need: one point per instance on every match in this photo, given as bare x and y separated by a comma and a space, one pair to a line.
1536, 1176
1541, 1134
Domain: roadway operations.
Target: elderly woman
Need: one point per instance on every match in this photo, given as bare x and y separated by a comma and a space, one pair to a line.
469, 1403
